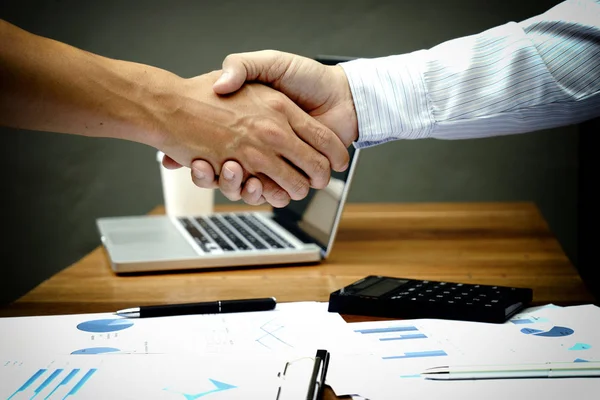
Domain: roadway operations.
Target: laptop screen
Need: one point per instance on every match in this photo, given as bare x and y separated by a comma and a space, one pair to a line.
313, 218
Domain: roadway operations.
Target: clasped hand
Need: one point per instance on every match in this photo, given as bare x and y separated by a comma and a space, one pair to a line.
278, 149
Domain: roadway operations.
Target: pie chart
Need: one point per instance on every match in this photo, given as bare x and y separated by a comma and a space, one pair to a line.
96, 350
555, 331
105, 325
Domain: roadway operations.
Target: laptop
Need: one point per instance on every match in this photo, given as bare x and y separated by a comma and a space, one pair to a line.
302, 232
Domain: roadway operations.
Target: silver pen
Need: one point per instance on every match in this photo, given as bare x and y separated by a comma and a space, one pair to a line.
512, 371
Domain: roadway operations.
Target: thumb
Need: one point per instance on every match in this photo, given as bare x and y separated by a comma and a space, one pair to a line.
232, 78
265, 66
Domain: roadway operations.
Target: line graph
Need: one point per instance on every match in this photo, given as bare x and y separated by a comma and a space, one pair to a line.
271, 335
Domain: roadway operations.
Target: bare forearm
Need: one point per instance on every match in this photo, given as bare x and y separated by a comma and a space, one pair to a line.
50, 86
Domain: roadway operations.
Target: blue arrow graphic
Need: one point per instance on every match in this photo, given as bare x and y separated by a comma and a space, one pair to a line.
219, 386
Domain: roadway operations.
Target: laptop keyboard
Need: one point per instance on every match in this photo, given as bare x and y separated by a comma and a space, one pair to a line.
231, 232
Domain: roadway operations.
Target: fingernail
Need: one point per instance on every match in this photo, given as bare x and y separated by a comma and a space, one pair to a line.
251, 189
199, 174
223, 78
228, 174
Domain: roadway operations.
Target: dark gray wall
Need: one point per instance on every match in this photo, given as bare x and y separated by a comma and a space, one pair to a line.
56, 185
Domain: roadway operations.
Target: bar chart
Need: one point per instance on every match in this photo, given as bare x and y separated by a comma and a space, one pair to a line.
50, 384
402, 341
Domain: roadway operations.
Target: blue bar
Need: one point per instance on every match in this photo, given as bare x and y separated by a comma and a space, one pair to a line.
433, 353
404, 337
521, 321
82, 382
66, 380
47, 382
385, 330
28, 383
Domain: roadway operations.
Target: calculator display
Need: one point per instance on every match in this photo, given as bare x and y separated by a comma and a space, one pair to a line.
381, 287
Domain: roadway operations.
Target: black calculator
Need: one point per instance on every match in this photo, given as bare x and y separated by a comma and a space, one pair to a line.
402, 298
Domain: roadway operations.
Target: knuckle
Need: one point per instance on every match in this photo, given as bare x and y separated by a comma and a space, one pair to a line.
322, 166
322, 137
279, 195
277, 103
299, 189
322, 172
274, 135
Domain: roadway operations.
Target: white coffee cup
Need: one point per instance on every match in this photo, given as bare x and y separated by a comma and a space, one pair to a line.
181, 196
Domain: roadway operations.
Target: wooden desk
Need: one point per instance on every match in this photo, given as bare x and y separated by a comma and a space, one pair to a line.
503, 244
492, 243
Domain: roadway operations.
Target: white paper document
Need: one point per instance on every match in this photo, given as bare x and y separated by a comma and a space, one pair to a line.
130, 377
291, 327
400, 350
231, 356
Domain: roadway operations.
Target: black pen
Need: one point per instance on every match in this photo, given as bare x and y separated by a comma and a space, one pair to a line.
209, 307
317, 382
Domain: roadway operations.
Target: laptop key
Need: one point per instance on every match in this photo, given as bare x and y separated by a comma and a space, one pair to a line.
254, 241
239, 243
214, 234
272, 232
258, 228
198, 236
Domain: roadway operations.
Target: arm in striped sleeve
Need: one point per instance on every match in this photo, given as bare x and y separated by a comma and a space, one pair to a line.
541, 73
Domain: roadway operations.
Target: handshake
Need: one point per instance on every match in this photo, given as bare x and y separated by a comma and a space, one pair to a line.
265, 128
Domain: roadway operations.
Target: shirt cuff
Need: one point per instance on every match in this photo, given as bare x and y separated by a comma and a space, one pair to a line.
390, 98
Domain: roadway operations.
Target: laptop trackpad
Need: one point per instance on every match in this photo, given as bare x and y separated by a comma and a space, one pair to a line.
138, 236
148, 243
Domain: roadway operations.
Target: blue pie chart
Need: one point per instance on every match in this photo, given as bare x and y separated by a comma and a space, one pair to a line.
105, 325
556, 331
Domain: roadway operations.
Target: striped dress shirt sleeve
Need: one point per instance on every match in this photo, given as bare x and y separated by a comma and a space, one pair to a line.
541, 73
